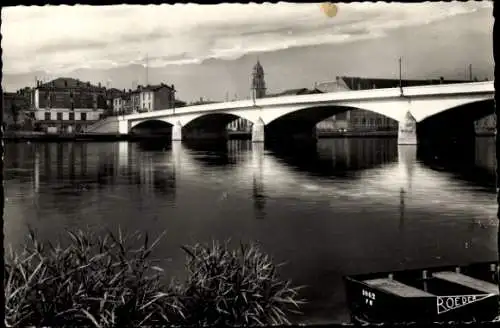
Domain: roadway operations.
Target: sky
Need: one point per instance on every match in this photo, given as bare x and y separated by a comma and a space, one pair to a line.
209, 50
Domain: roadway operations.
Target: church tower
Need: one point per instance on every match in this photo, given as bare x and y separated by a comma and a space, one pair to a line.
258, 83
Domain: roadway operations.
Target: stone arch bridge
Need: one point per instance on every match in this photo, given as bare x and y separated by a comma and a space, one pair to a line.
432, 110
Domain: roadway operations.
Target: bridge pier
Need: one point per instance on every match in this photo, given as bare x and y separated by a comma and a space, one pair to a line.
258, 134
407, 130
177, 132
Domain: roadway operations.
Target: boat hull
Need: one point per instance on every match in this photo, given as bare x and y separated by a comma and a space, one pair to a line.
441, 294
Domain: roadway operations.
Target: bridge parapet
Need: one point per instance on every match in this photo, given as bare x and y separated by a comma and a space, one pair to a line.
193, 109
448, 89
431, 90
352, 95
420, 102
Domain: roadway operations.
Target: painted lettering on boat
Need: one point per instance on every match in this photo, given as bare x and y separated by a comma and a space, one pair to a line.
369, 297
449, 303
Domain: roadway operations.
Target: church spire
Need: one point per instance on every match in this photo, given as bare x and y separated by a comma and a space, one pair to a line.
258, 82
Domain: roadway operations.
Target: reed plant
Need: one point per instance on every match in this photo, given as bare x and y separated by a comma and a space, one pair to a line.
238, 287
105, 282
94, 281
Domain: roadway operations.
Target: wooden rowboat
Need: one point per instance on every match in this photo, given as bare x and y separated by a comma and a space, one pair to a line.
438, 294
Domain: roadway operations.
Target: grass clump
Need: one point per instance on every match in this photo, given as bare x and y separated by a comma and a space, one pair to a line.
103, 282
94, 281
235, 288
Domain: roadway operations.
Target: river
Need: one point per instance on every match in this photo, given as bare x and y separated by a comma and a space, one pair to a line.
345, 206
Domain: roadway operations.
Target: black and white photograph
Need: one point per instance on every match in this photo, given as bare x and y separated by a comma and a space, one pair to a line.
249, 164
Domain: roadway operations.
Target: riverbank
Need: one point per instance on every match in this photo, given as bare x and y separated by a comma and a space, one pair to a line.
45, 137
105, 137
328, 134
357, 134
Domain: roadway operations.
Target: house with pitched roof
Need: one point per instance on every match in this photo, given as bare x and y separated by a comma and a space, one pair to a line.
145, 99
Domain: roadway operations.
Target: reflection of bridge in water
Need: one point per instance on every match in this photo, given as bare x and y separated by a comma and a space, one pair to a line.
387, 173
485, 153
391, 174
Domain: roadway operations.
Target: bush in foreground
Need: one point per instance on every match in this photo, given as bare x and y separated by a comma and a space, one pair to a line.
105, 283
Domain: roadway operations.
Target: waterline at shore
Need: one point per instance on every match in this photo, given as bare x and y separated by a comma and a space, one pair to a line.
41, 136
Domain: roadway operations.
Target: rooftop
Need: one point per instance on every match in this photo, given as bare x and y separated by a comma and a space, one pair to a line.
155, 87
67, 82
354, 83
293, 92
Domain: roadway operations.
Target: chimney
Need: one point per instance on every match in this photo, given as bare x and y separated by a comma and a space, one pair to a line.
99, 84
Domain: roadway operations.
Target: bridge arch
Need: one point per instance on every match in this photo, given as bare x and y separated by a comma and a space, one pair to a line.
473, 109
151, 126
211, 125
302, 121
394, 108
147, 122
456, 123
423, 109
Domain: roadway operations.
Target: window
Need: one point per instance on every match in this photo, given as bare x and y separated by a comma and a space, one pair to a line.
84, 116
47, 116
59, 116
71, 116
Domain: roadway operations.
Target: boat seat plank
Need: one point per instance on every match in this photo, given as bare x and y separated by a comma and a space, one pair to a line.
397, 288
467, 281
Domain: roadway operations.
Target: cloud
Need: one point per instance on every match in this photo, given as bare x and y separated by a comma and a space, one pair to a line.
64, 38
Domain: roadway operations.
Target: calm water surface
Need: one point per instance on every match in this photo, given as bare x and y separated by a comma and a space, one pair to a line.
345, 206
